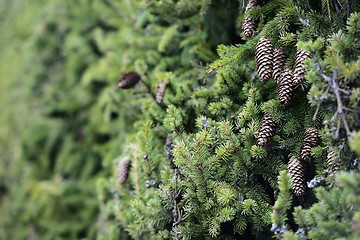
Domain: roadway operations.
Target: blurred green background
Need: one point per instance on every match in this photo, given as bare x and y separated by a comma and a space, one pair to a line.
57, 78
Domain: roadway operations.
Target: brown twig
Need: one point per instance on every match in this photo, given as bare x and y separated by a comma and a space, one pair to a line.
340, 107
177, 212
334, 85
318, 106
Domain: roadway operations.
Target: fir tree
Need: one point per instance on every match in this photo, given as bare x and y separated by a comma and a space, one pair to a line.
208, 155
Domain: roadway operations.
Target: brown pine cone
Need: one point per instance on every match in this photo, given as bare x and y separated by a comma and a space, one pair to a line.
264, 59
123, 170
266, 130
333, 160
299, 67
310, 140
297, 176
129, 80
160, 91
249, 27
249, 24
278, 64
285, 87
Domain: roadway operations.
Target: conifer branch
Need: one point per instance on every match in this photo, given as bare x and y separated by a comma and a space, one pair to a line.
318, 105
340, 106
230, 138
334, 85
177, 212
137, 173
146, 155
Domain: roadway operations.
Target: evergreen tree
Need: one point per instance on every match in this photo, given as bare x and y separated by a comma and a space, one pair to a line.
188, 120
217, 180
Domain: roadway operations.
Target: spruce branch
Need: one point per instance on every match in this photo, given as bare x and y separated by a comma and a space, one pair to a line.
137, 174
177, 212
230, 137
334, 86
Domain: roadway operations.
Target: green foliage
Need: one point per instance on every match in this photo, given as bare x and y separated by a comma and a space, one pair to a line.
282, 204
355, 142
196, 169
335, 215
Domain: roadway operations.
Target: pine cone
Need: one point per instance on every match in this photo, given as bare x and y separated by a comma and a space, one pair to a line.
333, 160
286, 87
266, 130
310, 140
249, 25
251, 4
160, 91
279, 60
297, 176
123, 170
299, 67
129, 80
263, 56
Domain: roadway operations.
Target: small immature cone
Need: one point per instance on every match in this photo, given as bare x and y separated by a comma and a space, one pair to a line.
285, 87
297, 176
123, 170
266, 130
299, 66
129, 80
160, 91
249, 24
264, 59
278, 64
333, 160
310, 140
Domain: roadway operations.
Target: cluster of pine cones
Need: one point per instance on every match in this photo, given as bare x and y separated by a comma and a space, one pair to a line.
295, 168
270, 63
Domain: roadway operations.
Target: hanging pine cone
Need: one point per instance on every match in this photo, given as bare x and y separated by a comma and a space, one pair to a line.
160, 91
286, 87
263, 56
299, 66
297, 176
333, 160
266, 130
249, 24
123, 170
129, 80
278, 64
310, 140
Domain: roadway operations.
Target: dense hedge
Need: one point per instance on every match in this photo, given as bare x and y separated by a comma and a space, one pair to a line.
83, 159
